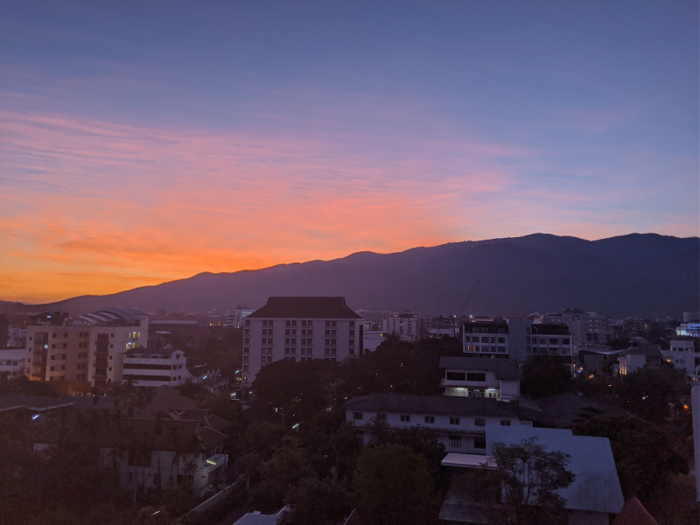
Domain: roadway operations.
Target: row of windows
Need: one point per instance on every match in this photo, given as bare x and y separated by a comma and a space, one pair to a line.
290, 322
469, 376
406, 418
485, 339
551, 340
484, 348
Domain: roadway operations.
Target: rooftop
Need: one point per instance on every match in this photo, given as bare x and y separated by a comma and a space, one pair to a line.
444, 405
596, 487
503, 368
34, 403
113, 317
304, 308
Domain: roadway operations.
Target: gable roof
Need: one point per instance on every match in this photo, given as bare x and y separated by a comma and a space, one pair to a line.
503, 368
634, 513
166, 434
596, 487
646, 350
442, 405
34, 403
304, 308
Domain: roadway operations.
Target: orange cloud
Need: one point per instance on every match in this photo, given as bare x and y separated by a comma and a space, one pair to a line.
92, 207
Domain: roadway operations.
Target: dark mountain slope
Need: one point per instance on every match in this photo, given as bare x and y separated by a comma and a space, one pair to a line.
645, 275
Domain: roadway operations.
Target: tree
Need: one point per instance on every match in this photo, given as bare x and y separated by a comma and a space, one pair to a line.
544, 376
522, 489
297, 390
393, 487
643, 454
650, 392
316, 502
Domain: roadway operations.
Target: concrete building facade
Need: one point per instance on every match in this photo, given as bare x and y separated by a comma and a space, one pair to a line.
300, 329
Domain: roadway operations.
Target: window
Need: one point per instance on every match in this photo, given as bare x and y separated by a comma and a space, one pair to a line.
430, 419
454, 421
476, 376
455, 441
480, 443
505, 422
501, 340
479, 422
381, 417
405, 418
357, 415
455, 376
352, 323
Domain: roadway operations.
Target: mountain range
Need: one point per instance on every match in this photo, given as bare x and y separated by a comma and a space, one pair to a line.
636, 275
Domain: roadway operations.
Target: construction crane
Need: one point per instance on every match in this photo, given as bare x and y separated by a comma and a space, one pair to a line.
466, 301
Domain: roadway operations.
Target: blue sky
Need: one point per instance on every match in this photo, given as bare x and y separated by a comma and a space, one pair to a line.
273, 132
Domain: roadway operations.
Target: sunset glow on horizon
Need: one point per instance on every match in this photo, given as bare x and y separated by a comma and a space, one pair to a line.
142, 145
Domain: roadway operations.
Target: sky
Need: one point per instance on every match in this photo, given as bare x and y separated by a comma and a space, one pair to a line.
142, 142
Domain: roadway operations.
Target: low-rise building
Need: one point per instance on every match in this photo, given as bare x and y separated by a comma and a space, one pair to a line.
592, 499
458, 422
640, 355
152, 452
147, 367
13, 362
681, 354
492, 378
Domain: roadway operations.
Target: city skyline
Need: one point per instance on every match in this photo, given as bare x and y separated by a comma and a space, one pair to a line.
142, 144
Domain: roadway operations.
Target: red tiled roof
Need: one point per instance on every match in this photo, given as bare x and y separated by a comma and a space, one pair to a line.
304, 308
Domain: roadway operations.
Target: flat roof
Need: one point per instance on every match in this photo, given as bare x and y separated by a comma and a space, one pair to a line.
596, 487
455, 459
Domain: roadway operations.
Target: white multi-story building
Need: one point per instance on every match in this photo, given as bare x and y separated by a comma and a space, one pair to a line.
682, 355
89, 349
155, 367
406, 325
13, 362
494, 378
299, 328
458, 422
17, 337
236, 316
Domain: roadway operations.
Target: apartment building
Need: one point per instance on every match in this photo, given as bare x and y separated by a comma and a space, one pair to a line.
492, 378
299, 328
236, 316
406, 325
517, 339
88, 348
155, 367
458, 422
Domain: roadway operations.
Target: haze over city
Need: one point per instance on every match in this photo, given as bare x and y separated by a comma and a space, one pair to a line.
143, 143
